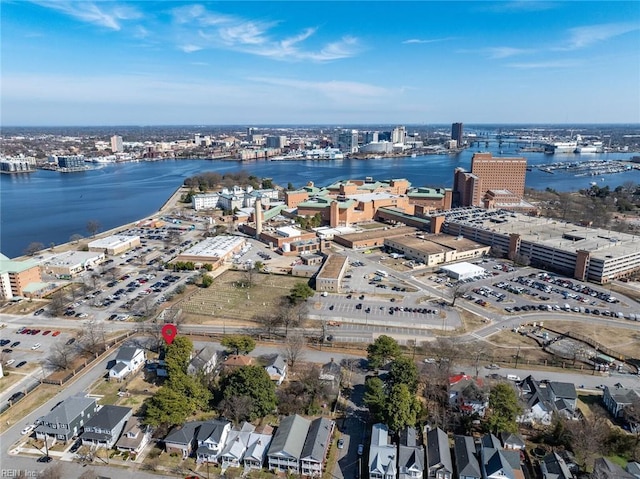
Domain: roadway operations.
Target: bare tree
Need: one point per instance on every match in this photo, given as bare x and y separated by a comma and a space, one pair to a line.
268, 323
93, 227
75, 238
57, 303
92, 340
293, 349
588, 436
237, 408
52, 472
458, 290
33, 248
60, 356
477, 351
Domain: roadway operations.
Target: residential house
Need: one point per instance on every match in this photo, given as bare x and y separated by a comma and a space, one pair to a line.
331, 373
67, 418
553, 466
603, 468
256, 452
616, 399
382, 454
466, 394
410, 455
128, 360
466, 463
537, 405
277, 369
633, 468
205, 361
181, 439
237, 361
286, 447
211, 437
564, 397
492, 460
236, 446
439, 464
135, 436
512, 441
316, 446
105, 427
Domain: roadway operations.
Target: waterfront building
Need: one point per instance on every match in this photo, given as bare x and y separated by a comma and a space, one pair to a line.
370, 137
16, 276
16, 165
488, 173
71, 263
431, 198
457, 133
585, 253
236, 197
114, 244
116, 144
347, 141
68, 161
276, 141
399, 135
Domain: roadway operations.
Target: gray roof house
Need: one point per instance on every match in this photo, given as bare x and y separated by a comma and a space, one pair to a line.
105, 427
277, 369
236, 445
538, 407
181, 439
382, 454
466, 463
603, 468
67, 418
563, 396
256, 452
439, 464
286, 446
615, 399
410, 455
316, 446
512, 441
205, 361
128, 360
211, 437
553, 466
492, 460
633, 468
135, 436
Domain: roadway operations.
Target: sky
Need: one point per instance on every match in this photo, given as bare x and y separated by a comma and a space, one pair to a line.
301, 62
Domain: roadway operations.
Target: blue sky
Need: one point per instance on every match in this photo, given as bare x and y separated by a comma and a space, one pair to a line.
170, 63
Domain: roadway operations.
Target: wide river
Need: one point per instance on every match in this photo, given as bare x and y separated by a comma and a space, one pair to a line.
49, 207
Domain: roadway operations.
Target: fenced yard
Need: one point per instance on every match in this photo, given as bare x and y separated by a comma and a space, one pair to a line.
228, 297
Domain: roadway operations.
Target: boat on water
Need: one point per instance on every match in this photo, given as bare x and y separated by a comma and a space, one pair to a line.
560, 147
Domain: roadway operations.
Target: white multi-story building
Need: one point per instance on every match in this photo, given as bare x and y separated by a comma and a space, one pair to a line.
399, 135
116, 144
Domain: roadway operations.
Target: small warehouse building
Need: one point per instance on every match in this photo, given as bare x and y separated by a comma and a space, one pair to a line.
114, 244
330, 276
463, 271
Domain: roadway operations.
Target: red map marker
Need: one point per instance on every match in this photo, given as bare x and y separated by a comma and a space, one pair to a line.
169, 332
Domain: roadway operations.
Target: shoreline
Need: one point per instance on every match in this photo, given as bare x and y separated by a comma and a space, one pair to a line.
171, 202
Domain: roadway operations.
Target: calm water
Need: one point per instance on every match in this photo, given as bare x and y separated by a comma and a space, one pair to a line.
48, 207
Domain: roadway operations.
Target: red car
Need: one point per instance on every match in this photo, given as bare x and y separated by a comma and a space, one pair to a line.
55, 333
46, 332
26, 331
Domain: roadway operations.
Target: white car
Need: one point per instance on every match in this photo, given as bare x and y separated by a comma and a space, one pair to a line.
28, 430
10, 362
35, 346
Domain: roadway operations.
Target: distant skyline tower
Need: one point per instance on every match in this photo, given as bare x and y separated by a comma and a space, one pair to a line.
457, 133
399, 135
116, 144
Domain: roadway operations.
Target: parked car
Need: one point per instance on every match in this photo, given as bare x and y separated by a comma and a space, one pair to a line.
340, 443
16, 396
28, 430
15, 344
10, 362
45, 459
360, 449
36, 346
20, 364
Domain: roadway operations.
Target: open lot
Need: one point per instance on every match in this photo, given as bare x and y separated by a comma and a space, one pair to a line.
226, 299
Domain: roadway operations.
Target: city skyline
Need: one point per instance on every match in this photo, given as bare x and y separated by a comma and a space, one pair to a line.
171, 63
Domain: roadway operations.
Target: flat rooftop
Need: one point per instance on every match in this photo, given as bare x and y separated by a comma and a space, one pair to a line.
113, 240
421, 244
332, 267
216, 247
549, 232
72, 258
379, 233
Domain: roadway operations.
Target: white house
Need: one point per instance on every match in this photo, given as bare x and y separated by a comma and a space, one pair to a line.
277, 369
211, 438
205, 361
129, 360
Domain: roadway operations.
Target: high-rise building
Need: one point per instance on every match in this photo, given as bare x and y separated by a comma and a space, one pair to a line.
456, 133
116, 144
348, 141
370, 137
499, 175
399, 135
276, 141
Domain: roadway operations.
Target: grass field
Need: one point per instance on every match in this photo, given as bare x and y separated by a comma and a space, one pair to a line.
622, 340
224, 299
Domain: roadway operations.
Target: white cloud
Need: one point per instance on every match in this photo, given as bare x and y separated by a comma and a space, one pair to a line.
554, 64
423, 41
505, 52
581, 37
108, 15
190, 48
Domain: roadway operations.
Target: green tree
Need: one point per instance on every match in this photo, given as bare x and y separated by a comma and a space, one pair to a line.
402, 408
300, 292
375, 397
503, 409
381, 351
404, 371
166, 408
239, 343
178, 355
252, 382
206, 280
